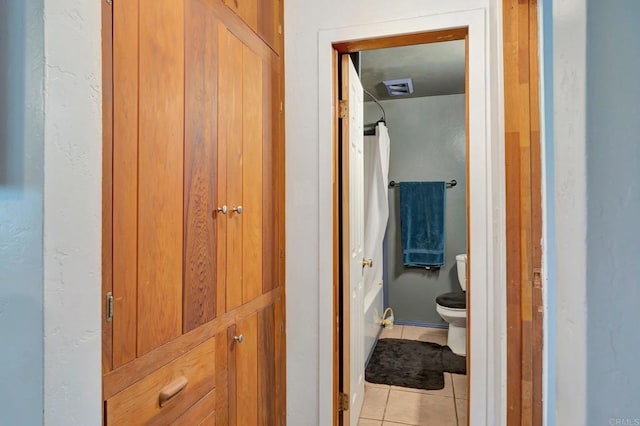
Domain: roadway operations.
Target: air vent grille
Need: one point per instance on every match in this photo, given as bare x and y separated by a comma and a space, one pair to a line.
399, 87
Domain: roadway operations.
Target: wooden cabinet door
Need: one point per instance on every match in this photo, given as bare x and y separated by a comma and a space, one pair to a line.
245, 101
269, 26
148, 175
255, 372
204, 180
246, 9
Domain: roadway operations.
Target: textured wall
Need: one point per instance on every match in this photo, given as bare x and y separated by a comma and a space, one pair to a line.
72, 213
569, 191
427, 143
613, 209
21, 189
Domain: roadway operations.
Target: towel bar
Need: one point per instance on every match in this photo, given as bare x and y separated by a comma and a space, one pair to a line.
450, 184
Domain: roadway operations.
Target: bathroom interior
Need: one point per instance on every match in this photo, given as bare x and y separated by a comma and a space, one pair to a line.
415, 234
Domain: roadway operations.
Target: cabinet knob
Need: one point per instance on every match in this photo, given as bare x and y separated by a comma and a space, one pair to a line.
239, 339
222, 209
237, 209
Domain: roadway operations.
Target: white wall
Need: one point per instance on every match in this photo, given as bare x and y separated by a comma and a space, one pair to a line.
303, 20
569, 109
21, 193
72, 213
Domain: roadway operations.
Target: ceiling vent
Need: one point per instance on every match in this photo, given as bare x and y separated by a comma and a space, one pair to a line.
400, 87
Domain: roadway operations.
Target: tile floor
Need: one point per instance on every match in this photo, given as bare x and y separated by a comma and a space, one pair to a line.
397, 406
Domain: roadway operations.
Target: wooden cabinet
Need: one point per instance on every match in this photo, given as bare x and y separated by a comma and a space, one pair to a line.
262, 16
194, 242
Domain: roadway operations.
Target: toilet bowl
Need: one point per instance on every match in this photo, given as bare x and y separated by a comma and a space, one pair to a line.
452, 307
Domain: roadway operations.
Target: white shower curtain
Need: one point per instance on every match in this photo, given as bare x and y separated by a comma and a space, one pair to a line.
376, 194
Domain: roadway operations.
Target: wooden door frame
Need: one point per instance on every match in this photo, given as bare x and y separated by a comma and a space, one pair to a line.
485, 202
341, 205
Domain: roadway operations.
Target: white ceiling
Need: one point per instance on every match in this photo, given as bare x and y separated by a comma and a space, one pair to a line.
435, 68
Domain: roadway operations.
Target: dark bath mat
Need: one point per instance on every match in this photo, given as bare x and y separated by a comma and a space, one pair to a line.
412, 364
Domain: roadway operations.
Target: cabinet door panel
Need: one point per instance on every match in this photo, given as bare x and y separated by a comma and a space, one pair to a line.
247, 10
200, 174
160, 172
280, 367
268, 11
253, 103
125, 180
271, 110
230, 127
247, 372
267, 394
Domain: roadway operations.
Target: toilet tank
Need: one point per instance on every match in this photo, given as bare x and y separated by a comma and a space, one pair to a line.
461, 260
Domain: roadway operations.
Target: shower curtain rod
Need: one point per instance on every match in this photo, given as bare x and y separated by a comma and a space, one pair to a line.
449, 184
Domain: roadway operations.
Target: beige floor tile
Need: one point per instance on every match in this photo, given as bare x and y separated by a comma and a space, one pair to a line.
425, 334
393, 424
375, 385
369, 422
375, 401
392, 333
460, 385
446, 391
420, 409
461, 409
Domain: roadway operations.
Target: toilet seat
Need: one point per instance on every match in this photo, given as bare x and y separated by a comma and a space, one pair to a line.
453, 300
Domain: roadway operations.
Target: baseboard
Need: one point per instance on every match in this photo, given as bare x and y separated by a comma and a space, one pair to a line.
421, 324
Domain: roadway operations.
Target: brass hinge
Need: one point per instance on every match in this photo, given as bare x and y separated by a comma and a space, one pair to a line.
109, 307
537, 278
343, 402
343, 109
279, 29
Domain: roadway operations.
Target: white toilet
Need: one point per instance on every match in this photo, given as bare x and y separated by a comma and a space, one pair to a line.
452, 307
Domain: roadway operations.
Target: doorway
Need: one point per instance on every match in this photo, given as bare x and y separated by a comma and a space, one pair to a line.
487, 397
413, 155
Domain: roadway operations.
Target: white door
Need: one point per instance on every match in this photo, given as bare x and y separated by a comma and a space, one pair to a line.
353, 240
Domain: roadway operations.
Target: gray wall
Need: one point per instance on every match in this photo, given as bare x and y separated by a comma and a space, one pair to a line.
427, 143
613, 210
21, 211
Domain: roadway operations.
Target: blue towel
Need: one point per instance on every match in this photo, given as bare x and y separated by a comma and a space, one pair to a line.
422, 209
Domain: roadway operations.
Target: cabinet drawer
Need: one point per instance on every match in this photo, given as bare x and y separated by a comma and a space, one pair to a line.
165, 394
201, 414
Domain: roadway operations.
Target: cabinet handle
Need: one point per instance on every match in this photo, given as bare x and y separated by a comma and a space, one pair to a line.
367, 262
172, 390
239, 338
222, 209
237, 209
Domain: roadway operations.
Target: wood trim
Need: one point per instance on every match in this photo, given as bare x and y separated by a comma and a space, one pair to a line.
524, 220
107, 182
345, 260
124, 176
536, 216
402, 40
128, 374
